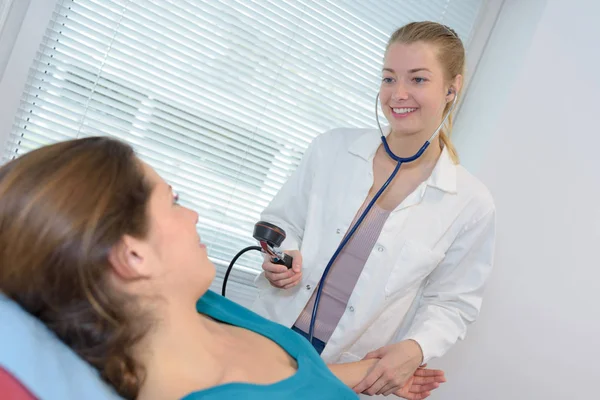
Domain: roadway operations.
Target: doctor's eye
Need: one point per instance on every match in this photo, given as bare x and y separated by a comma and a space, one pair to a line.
387, 80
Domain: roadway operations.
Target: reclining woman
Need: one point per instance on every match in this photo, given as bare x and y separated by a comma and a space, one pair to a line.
94, 244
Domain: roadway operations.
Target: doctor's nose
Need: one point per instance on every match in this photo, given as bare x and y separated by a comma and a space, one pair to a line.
400, 92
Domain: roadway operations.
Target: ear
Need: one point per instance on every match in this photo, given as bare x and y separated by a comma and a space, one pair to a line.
454, 87
128, 259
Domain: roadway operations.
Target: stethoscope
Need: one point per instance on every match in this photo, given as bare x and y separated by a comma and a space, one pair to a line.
399, 162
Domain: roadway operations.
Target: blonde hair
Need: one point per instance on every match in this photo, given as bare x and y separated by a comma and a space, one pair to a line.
451, 54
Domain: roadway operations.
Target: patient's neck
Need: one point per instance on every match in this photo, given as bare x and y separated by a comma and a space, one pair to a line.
181, 354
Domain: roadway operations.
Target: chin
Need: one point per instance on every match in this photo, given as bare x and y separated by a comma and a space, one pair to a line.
209, 272
403, 130
213, 272
200, 286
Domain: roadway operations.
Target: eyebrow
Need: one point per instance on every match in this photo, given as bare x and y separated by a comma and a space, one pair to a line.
410, 71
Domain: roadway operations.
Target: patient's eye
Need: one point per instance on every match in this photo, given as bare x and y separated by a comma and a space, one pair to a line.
174, 195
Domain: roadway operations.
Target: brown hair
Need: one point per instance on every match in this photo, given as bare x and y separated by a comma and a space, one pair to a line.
62, 209
451, 54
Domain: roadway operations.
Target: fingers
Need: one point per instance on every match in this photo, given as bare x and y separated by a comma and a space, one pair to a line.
280, 276
420, 387
418, 396
403, 393
393, 385
277, 276
284, 280
420, 380
424, 388
369, 380
297, 263
268, 266
376, 387
373, 382
278, 268
425, 372
389, 389
417, 392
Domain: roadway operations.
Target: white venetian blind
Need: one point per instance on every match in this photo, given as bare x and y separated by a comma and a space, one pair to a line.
221, 97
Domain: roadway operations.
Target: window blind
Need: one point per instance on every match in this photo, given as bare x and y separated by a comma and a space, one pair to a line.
221, 97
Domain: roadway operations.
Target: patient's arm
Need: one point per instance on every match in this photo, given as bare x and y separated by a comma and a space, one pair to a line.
418, 387
352, 373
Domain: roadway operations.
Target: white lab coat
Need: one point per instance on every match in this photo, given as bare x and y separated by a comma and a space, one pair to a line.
425, 275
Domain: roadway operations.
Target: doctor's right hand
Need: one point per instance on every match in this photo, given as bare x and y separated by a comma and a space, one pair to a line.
281, 277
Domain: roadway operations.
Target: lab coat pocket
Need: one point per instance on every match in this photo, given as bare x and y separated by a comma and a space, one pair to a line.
414, 263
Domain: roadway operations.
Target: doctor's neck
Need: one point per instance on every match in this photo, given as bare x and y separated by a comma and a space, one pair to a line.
404, 145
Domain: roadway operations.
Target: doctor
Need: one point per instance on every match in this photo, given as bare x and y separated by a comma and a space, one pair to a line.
410, 280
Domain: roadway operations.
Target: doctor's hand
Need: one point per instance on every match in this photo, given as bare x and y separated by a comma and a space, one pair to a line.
397, 363
281, 277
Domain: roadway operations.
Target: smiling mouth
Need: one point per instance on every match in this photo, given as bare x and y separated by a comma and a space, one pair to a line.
403, 111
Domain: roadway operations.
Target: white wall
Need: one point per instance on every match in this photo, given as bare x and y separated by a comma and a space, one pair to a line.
18, 48
11, 16
529, 130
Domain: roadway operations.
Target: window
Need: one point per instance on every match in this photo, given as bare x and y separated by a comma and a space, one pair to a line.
222, 98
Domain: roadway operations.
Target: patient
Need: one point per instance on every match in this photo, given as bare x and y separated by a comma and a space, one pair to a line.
94, 244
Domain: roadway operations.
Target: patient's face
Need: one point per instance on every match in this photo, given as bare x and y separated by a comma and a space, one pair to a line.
179, 259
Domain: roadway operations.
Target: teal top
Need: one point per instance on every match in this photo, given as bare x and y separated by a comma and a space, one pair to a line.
313, 380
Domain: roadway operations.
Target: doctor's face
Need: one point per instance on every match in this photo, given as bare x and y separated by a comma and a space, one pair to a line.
413, 90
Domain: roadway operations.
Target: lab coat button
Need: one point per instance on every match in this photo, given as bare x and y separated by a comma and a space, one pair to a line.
351, 309
338, 231
380, 249
307, 287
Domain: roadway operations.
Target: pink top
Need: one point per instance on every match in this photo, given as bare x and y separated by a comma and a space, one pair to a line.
344, 274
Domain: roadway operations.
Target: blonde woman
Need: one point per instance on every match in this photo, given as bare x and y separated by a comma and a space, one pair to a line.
410, 279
